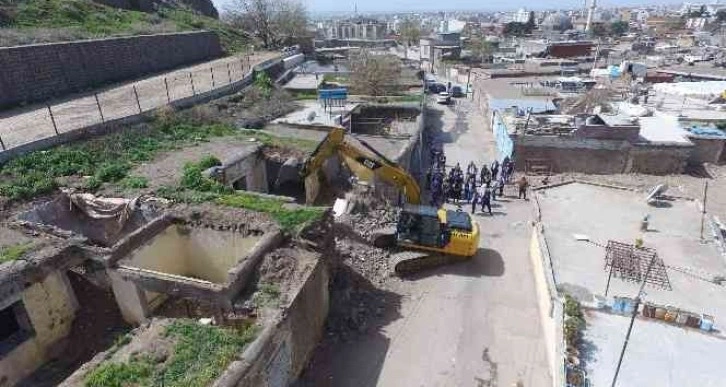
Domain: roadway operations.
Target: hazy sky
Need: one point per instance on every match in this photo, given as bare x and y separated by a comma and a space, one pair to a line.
429, 5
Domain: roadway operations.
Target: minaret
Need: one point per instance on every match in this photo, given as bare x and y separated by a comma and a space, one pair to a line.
590, 13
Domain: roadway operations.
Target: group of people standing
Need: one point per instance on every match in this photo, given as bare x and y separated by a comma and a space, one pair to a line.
477, 186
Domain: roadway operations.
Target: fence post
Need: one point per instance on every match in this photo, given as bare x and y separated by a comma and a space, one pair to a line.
138, 103
52, 119
166, 85
2, 144
211, 70
242, 66
100, 112
191, 79
229, 73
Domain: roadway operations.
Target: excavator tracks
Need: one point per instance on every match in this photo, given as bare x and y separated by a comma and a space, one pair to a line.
409, 262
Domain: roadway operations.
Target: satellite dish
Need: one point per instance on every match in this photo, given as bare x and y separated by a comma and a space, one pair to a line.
657, 191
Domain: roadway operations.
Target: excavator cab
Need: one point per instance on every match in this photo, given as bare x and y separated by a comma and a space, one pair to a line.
437, 229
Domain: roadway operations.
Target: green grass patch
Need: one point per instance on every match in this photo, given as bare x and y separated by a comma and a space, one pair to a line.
267, 294
335, 78
281, 142
289, 219
106, 159
13, 252
198, 357
134, 182
89, 19
133, 373
305, 95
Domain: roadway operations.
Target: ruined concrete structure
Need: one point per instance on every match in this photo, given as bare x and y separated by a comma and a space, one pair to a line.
152, 257
37, 308
245, 170
171, 257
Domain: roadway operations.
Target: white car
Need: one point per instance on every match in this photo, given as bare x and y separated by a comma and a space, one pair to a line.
443, 98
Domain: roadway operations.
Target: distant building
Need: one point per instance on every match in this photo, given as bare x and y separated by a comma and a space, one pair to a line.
441, 46
567, 49
357, 28
520, 16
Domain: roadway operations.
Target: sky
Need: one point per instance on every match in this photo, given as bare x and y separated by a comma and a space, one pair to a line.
317, 6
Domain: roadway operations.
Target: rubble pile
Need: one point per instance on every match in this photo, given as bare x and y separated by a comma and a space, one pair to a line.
358, 299
354, 234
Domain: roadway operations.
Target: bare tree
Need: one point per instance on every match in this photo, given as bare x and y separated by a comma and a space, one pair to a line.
481, 49
374, 75
410, 32
271, 21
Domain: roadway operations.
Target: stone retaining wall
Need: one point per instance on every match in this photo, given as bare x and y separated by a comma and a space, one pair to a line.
42, 71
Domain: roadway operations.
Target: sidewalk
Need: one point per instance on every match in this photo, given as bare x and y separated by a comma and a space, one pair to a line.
28, 124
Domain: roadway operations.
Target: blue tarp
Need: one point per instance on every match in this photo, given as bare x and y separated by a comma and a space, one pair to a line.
505, 146
707, 131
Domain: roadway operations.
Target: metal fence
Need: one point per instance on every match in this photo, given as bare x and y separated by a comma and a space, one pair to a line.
23, 126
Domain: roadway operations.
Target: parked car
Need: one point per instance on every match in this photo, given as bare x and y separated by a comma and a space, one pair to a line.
436, 88
443, 98
457, 91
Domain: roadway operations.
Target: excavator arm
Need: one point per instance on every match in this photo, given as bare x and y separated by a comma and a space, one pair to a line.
364, 161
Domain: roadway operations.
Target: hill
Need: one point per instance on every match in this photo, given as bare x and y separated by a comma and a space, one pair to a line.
44, 21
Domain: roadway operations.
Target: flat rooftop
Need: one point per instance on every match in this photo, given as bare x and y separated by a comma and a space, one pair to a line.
663, 129
604, 214
659, 354
313, 113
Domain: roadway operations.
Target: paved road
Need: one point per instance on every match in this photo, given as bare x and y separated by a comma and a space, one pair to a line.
32, 123
470, 324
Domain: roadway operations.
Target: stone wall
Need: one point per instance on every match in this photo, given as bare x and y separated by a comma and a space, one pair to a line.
707, 150
42, 71
658, 160
567, 154
571, 154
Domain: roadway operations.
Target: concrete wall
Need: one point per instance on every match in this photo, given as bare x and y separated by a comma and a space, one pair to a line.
282, 351
51, 306
658, 160
250, 167
43, 71
550, 306
200, 253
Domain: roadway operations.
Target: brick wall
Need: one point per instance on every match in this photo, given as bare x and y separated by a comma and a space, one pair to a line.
38, 72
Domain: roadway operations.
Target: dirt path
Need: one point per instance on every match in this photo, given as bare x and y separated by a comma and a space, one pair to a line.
470, 324
33, 123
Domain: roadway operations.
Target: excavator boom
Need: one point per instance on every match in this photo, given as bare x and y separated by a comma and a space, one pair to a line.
364, 161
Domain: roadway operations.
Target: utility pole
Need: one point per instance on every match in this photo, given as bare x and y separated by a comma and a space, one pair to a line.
632, 318
703, 211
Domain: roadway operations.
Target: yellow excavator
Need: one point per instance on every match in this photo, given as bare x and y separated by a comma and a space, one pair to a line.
449, 234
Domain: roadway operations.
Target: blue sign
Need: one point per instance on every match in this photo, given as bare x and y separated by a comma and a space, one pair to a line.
339, 93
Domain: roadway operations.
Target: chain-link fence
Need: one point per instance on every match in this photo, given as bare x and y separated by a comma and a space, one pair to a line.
29, 125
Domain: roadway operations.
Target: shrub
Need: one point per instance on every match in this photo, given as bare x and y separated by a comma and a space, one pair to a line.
135, 182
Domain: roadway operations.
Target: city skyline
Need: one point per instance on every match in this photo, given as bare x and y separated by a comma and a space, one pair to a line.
377, 6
